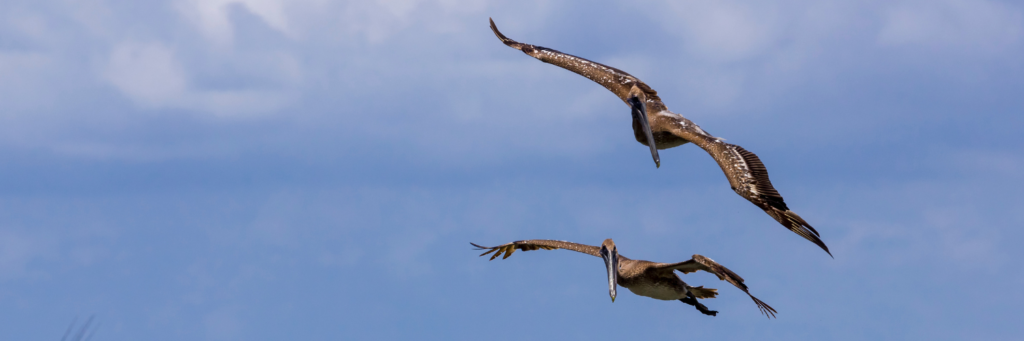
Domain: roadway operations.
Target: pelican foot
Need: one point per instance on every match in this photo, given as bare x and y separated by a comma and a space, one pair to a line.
700, 307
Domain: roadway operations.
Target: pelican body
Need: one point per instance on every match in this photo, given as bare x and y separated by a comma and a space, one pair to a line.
658, 128
644, 278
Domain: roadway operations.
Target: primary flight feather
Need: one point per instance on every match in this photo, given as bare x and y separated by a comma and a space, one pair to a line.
658, 128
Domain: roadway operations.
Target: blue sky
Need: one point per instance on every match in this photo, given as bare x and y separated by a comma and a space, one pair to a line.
315, 170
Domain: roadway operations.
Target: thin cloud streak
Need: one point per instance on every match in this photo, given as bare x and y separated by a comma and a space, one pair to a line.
263, 169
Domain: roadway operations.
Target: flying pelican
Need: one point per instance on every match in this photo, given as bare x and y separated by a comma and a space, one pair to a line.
650, 279
658, 128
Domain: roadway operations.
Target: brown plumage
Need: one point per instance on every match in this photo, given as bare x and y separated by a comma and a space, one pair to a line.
644, 278
747, 176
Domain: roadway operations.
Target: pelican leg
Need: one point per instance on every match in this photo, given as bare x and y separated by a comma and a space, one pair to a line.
691, 300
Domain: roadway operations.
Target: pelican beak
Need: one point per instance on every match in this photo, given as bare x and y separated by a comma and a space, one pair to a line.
640, 114
611, 262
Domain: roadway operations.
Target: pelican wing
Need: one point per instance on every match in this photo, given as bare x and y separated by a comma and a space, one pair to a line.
537, 244
747, 175
618, 81
702, 263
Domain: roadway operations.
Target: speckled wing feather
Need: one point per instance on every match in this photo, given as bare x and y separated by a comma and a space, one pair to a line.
618, 81
699, 262
747, 175
537, 244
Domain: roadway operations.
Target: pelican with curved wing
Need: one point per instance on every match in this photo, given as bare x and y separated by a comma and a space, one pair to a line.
644, 278
658, 128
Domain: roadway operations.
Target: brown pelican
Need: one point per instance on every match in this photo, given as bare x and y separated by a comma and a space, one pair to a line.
658, 128
654, 280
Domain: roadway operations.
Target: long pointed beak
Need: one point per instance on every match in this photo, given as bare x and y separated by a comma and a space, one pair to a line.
640, 114
611, 262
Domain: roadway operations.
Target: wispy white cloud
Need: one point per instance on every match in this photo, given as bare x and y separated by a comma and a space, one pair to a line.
214, 17
197, 60
959, 237
915, 222
375, 20
161, 74
147, 73
725, 30
151, 76
379, 20
729, 46
784, 42
972, 27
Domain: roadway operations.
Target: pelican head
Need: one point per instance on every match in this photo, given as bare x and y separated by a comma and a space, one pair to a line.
611, 262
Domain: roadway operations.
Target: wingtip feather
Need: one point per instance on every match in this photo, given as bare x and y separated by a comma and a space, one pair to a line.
798, 225
765, 309
505, 40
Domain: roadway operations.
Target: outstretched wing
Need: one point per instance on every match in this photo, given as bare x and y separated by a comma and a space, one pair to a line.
537, 244
745, 172
747, 175
618, 81
699, 262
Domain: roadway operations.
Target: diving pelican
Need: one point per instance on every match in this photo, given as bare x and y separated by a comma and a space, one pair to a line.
650, 279
658, 128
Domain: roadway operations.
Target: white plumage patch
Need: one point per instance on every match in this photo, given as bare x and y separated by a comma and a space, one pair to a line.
743, 170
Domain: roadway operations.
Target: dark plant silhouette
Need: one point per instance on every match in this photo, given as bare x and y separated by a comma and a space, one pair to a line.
82, 334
